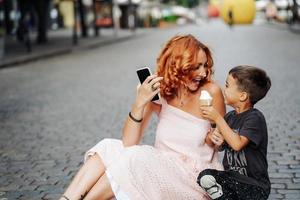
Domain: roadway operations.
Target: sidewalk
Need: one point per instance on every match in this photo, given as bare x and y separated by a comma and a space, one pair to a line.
60, 42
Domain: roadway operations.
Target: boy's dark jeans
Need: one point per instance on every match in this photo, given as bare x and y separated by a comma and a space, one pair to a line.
223, 185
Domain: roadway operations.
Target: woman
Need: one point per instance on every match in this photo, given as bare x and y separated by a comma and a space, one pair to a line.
183, 145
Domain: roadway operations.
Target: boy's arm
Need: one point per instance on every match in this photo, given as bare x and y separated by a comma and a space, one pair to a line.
215, 139
234, 140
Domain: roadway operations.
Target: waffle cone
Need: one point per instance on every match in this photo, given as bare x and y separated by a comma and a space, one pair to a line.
205, 102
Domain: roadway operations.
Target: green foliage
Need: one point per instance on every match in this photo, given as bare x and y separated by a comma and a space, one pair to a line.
170, 18
184, 3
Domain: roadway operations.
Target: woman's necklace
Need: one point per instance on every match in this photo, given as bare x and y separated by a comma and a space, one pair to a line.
183, 102
185, 97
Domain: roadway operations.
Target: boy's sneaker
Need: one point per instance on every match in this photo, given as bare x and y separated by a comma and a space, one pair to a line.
210, 185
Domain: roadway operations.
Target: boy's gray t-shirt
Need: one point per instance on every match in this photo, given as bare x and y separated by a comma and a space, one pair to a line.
252, 160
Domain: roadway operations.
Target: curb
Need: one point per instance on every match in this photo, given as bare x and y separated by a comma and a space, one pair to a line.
295, 28
63, 51
30, 58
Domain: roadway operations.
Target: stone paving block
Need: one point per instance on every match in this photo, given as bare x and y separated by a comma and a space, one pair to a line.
293, 192
289, 170
293, 186
296, 180
294, 166
277, 175
46, 188
293, 146
277, 167
52, 193
30, 194
297, 175
278, 186
51, 196
292, 196
275, 196
3, 169
11, 186
288, 162
12, 194
28, 187
281, 180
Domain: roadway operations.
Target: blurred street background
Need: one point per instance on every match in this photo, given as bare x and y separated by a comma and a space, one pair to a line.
68, 80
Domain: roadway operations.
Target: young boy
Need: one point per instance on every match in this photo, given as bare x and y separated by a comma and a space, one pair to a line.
245, 133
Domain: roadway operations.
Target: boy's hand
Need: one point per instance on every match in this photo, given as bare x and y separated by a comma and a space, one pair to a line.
210, 113
216, 137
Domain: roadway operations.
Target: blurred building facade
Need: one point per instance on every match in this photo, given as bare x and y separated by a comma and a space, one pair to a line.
29, 21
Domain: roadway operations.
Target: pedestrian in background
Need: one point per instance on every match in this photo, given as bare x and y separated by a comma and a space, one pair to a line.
246, 139
41, 9
168, 171
230, 17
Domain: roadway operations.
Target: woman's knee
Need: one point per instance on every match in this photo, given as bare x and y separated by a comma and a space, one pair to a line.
94, 161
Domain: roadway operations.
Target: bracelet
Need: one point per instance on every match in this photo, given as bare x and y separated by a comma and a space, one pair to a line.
63, 196
134, 119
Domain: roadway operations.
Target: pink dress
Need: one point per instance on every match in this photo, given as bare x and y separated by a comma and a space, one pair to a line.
168, 170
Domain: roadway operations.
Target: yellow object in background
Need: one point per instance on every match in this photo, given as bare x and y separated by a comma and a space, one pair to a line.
67, 10
238, 11
214, 2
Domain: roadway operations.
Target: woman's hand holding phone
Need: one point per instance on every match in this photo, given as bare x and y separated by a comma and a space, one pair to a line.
147, 90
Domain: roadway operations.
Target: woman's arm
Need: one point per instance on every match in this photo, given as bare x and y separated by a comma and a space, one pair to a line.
141, 110
150, 108
132, 131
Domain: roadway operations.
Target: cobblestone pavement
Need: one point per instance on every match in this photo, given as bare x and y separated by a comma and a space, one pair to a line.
53, 110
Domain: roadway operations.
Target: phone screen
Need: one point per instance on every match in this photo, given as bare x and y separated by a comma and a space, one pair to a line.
143, 73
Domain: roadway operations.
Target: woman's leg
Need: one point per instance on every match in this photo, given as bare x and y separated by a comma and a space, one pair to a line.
85, 178
101, 190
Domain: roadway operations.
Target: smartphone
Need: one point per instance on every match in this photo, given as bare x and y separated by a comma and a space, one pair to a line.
143, 73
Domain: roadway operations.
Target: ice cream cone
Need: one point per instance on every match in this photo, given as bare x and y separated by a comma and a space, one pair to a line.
205, 98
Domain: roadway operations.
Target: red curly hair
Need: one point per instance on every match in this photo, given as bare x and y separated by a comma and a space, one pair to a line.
176, 61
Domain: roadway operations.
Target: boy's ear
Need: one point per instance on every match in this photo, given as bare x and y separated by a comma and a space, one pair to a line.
244, 96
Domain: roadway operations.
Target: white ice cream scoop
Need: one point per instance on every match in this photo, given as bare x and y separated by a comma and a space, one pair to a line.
205, 98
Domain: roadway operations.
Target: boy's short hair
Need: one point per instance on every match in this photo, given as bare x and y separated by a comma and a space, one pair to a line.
252, 80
